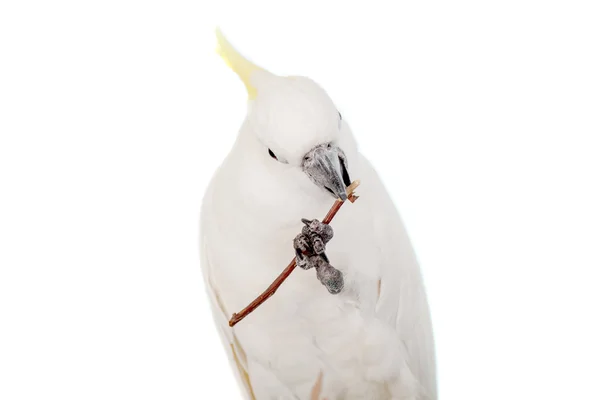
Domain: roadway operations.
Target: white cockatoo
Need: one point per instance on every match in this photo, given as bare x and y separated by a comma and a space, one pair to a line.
360, 325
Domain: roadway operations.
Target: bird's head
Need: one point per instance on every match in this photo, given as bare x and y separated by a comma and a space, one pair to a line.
295, 122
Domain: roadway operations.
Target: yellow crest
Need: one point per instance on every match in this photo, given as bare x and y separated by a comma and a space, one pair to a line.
237, 62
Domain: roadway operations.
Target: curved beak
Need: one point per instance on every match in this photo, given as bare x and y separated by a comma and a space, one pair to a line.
326, 166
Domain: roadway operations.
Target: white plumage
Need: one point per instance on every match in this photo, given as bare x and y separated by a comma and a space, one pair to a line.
373, 340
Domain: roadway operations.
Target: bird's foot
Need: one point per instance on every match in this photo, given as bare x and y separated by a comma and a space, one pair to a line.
310, 253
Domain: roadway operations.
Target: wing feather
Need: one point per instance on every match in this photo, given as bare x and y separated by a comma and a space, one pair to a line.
235, 352
402, 301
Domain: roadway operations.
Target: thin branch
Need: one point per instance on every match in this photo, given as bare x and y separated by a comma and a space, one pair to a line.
270, 291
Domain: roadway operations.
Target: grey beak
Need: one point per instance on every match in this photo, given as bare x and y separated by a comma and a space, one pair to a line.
326, 166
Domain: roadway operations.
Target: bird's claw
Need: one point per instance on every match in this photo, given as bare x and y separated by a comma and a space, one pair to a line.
310, 253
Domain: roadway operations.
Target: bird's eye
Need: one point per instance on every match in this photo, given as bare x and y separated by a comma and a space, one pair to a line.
272, 154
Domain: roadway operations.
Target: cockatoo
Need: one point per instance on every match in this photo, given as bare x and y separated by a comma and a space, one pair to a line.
359, 326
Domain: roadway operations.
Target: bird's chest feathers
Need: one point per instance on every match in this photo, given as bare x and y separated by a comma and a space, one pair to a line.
257, 259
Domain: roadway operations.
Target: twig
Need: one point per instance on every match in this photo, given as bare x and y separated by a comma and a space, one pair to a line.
270, 291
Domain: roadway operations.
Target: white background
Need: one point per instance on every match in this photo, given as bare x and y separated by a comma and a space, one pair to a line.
482, 117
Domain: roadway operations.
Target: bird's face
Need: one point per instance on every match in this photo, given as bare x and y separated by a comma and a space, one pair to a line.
299, 126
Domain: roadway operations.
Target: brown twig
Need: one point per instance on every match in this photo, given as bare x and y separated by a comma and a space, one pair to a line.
270, 291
